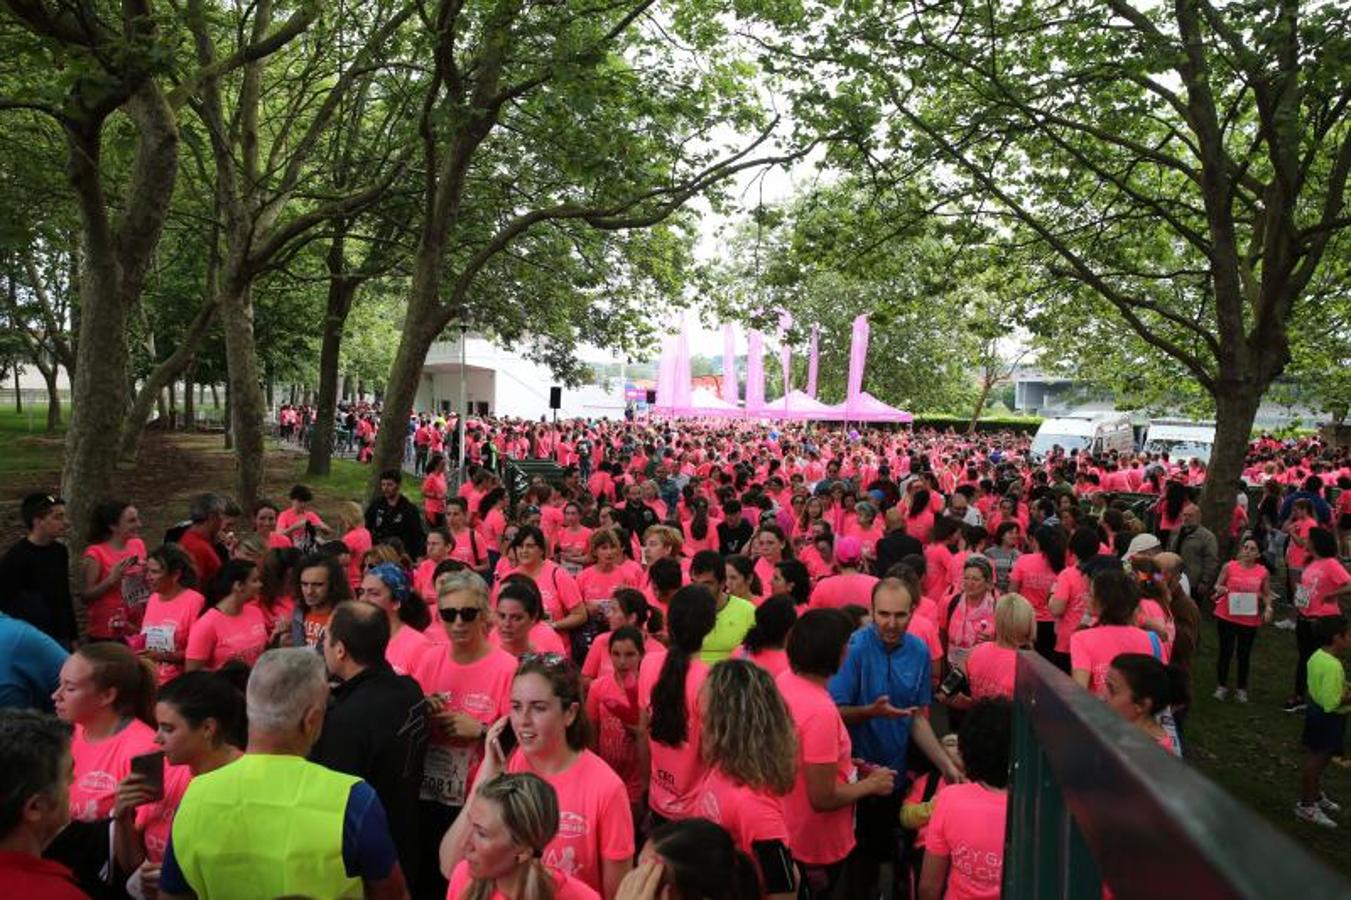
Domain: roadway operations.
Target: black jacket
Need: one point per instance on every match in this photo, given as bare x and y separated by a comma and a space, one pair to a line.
376, 729
403, 520
893, 547
35, 587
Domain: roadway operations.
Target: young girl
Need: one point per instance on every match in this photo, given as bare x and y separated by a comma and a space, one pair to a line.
612, 703
1141, 690
630, 607
231, 627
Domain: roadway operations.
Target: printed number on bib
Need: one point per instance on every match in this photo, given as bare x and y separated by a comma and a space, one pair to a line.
160, 638
445, 775
1302, 597
1244, 604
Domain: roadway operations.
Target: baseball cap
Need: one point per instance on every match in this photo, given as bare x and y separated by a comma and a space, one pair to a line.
1142, 543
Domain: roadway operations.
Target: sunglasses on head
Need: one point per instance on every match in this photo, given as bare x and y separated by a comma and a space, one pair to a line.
450, 614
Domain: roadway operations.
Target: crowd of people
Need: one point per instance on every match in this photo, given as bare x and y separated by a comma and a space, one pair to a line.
708, 662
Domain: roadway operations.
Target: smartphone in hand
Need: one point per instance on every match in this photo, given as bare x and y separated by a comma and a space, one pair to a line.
150, 766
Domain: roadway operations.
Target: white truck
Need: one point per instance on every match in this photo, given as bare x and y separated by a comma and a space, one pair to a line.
1180, 439
1099, 433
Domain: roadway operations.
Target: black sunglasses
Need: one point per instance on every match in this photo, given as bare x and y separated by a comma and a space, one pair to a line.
450, 614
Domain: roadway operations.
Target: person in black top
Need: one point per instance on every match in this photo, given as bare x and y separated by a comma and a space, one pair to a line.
391, 514
35, 573
895, 545
375, 727
734, 531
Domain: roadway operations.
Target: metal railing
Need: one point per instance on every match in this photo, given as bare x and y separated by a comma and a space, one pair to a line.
1094, 802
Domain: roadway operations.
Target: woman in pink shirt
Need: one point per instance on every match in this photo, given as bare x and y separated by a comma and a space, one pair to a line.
265, 524
200, 719
1242, 604
964, 843
968, 618
1069, 596
113, 570
919, 517
749, 746
595, 844
1113, 600
231, 627
573, 541
563, 606
701, 531
991, 666
599, 582
1142, 690
296, 520
171, 611
669, 699
765, 643
519, 629
355, 536
1034, 576
630, 607
434, 491
424, 576
109, 696
496, 851
769, 546
612, 706
1323, 586
820, 809
387, 587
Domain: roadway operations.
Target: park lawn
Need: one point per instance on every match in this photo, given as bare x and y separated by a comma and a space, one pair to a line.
1253, 750
347, 480
27, 450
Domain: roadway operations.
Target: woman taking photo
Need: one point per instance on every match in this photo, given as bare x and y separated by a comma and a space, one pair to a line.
171, 611
200, 718
497, 851
669, 699
552, 729
387, 587
749, 748
231, 627
113, 571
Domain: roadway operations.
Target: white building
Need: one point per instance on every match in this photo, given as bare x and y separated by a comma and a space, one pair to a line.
501, 382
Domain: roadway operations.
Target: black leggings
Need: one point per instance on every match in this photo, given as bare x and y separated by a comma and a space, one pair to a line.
1045, 641
1307, 644
1233, 635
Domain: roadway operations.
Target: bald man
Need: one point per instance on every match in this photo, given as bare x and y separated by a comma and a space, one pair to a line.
895, 545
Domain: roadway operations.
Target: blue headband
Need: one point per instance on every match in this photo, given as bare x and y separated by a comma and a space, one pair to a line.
394, 578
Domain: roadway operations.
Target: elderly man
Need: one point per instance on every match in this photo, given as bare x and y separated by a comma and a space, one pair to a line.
1199, 550
1186, 619
273, 824
35, 804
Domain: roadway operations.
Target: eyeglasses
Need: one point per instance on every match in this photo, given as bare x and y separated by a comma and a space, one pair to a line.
450, 614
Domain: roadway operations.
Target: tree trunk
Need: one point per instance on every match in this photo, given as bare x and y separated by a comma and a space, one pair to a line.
189, 406
985, 385
400, 392
18, 393
271, 395
173, 405
215, 396
245, 397
340, 294
161, 407
49, 375
129, 445
1235, 411
227, 425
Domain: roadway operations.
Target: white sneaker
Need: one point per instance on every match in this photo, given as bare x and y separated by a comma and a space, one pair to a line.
1241, 695
1285, 624
1313, 815
1221, 693
1328, 805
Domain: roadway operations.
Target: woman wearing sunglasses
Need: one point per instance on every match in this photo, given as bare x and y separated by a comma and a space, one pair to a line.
468, 685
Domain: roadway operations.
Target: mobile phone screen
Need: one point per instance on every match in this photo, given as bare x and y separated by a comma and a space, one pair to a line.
151, 767
507, 740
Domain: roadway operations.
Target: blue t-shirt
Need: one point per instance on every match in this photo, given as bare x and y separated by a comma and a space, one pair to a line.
368, 851
870, 670
30, 665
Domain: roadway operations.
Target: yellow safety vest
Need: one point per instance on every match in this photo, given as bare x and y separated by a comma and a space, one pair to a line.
265, 826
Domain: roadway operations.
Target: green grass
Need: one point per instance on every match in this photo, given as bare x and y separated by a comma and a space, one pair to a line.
25, 445
348, 480
1253, 750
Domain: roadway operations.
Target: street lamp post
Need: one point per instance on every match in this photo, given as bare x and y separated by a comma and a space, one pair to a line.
460, 413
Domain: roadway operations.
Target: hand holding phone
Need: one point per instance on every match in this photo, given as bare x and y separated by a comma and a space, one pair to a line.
150, 766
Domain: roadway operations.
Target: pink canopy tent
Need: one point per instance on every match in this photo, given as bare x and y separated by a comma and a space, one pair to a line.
797, 405
867, 408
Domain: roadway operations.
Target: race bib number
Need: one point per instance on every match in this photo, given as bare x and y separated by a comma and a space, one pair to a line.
159, 638
1302, 597
445, 775
1244, 604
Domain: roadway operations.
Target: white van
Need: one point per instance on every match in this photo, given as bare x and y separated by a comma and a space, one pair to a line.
1180, 439
1087, 434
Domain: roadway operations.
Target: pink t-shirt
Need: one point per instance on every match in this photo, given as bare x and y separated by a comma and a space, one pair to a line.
358, 541
434, 495
594, 820
577, 542
748, 815
1033, 577
1240, 579
557, 589
1297, 557
217, 638
288, 517
542, 639
817, 838
676, 771
614, 709
772, 660
565, 886
100, 765
1071, 586
156, 820
939, 563
424, 584
1093, 649
108, 614
990, 671
468, 547
1322, 578
481, 689
598, 661
596, 587
969, 626
968, 828
838, 591
166, 627
405, 650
